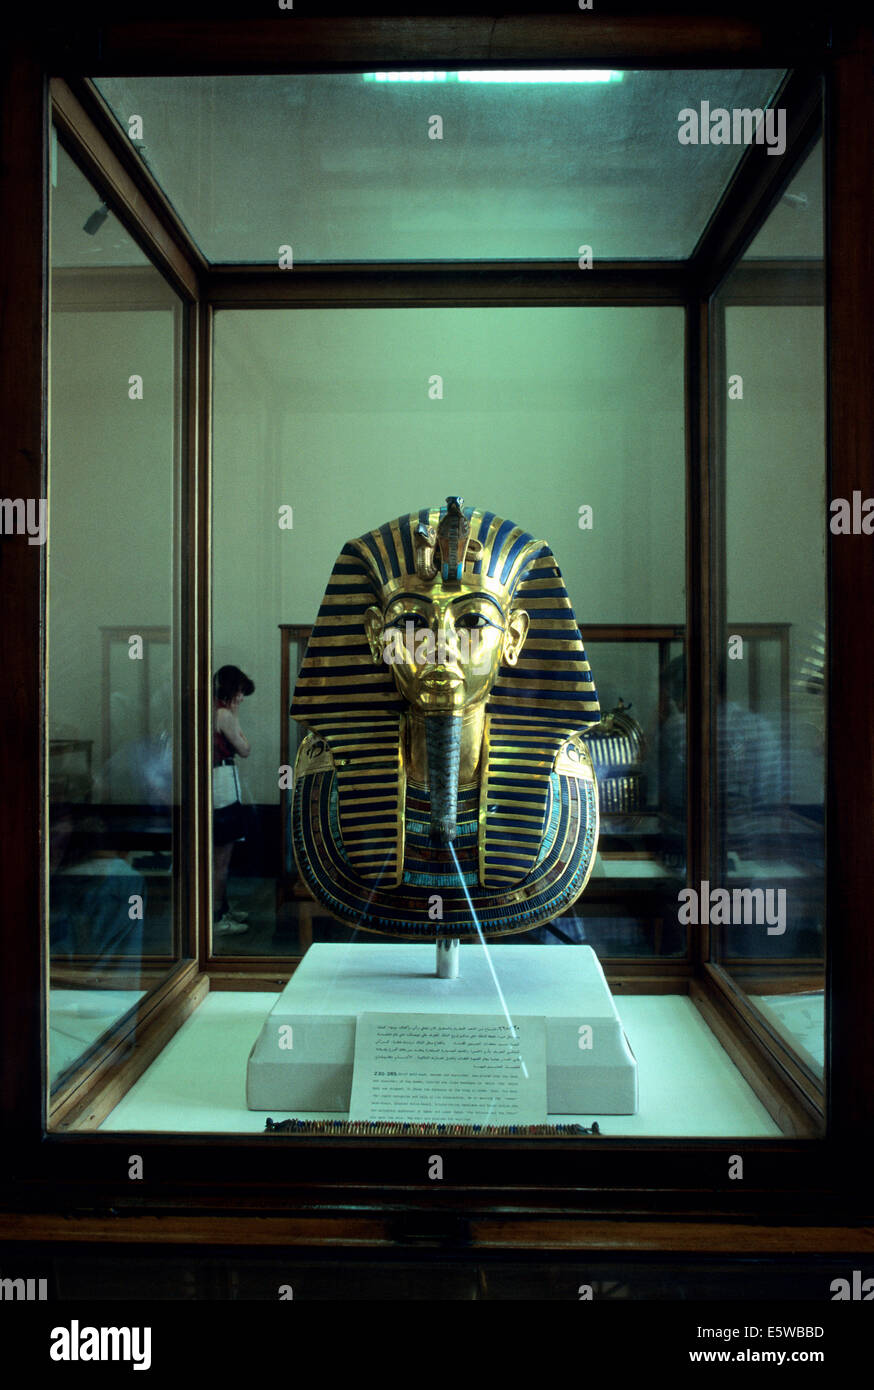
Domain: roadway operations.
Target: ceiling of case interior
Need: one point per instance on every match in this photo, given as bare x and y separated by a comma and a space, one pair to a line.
341, 167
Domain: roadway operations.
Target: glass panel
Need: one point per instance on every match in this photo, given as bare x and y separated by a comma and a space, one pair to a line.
114, 365
771, 717
544, 413
570, 422
794, 228
642, 848
440, 166
84, 232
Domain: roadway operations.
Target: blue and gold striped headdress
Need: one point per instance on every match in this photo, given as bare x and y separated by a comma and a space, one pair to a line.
353, 704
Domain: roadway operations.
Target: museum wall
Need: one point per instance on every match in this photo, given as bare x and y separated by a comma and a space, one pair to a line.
110, 547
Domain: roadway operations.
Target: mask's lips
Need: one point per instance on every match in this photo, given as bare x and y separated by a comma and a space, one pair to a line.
443, 750
442, 677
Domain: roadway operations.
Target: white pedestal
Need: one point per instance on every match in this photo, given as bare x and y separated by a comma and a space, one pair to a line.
309, 1068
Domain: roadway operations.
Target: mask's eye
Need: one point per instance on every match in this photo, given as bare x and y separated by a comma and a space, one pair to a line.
474, 621
400, 620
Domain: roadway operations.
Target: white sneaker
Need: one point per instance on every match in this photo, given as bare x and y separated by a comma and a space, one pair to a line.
229, 926
237, 915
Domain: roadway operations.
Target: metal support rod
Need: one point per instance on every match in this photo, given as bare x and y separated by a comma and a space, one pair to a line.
448, 949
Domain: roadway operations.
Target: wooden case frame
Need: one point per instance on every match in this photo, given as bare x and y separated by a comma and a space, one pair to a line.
800, 1193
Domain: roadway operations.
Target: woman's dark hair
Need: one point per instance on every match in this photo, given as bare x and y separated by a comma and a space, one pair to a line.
230, 681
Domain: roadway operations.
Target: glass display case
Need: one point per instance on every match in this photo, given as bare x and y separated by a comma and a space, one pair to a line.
554, 356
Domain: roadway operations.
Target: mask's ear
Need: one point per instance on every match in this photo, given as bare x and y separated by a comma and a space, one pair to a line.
373, 628
514, 637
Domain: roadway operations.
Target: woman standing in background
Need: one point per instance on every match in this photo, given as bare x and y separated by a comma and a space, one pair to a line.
229, 819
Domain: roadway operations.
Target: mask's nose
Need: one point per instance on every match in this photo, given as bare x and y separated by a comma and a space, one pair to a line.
448, 652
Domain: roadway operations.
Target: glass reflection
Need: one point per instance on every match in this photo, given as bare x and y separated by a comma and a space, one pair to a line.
114, 432
770, 743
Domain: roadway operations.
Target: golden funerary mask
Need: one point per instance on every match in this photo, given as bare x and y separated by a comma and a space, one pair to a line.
447, 690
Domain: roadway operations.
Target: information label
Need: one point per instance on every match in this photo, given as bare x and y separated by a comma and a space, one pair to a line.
449, 1069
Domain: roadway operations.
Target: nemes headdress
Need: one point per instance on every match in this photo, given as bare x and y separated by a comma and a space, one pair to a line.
352, 705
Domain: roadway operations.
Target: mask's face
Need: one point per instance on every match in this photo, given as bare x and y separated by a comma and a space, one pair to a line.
445, 646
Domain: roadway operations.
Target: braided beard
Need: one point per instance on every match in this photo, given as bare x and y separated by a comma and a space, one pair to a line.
443, 750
